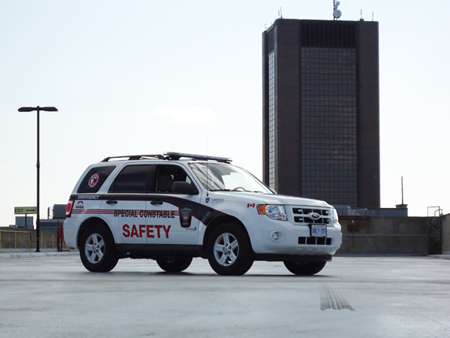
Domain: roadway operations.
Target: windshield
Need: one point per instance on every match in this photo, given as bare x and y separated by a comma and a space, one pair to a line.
225, 177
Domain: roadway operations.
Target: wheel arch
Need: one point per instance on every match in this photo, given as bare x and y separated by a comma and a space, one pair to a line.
221, 220
89, 222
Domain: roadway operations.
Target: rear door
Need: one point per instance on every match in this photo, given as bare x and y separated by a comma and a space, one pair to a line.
126, 204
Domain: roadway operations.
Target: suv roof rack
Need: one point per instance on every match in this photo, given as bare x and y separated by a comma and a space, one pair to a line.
168, 156
134, 157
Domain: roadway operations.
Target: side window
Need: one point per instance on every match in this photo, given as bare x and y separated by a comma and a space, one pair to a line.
94, 179
167, 174
133, 179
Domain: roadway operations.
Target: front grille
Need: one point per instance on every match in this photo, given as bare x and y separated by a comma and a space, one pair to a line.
314, 241
312, 215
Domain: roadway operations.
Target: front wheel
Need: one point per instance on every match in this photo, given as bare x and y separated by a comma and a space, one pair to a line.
229, 250
97, 250
304, 268
174, 265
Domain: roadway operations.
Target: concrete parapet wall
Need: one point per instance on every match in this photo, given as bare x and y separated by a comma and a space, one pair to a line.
12, 238
362, 235
384, 235
445, 221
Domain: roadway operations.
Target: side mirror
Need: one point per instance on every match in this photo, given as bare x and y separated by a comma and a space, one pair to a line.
181, 187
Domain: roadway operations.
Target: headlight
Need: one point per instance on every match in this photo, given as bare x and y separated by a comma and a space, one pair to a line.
277, 212
334, 215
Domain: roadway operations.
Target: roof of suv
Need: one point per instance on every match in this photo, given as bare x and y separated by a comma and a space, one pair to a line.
173, 156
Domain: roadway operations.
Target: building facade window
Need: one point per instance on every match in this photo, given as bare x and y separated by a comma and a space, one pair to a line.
329, 124
272, 126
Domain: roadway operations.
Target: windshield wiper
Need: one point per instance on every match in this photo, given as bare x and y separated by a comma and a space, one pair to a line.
255, 191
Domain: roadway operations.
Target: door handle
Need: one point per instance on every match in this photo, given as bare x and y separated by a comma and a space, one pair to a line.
157, 202
111, 202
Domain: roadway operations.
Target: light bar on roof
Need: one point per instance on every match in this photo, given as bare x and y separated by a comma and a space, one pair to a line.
175, 155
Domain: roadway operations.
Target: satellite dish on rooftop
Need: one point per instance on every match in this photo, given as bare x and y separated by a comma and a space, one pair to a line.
336, 12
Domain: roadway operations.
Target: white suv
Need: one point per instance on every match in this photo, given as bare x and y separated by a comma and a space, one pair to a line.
175, 206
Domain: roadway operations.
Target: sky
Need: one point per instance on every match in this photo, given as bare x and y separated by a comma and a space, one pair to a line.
146, 77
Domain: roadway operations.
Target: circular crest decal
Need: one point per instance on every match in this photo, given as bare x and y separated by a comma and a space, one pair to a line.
93, 180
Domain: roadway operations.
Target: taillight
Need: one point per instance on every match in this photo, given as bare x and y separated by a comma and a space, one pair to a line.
69, 208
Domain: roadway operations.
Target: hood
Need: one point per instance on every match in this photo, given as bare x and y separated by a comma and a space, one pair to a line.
293, 200
270, 199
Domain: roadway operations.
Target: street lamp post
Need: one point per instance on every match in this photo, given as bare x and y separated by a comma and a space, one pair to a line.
37, 109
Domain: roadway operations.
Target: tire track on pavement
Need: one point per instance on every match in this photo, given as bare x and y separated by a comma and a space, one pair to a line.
329, 299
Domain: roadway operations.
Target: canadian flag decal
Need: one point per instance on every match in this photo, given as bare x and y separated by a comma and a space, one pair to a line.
250, 205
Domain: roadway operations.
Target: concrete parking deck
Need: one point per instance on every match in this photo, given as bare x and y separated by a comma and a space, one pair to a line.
54, 296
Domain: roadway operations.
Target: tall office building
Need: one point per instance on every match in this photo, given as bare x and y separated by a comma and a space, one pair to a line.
321, 110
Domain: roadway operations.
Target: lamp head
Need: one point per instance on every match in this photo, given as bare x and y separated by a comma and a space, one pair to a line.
28, 109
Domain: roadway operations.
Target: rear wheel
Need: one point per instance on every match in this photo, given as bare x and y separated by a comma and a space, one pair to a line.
174, 265
97, 249
304, 268
229, 250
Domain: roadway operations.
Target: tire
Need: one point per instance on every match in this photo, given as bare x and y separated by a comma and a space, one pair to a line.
97, 249
229, 251
304, 268
174, 265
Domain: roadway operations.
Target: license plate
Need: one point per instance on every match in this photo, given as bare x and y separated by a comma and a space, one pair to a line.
318, 230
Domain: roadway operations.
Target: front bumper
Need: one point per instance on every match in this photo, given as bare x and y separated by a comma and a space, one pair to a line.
270, 237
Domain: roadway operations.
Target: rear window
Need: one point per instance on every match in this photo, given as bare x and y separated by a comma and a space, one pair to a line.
94, 179
133, 179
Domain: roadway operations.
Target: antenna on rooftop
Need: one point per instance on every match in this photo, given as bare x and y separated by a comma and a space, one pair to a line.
280, 14
403, 205
336, 12
402, 190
